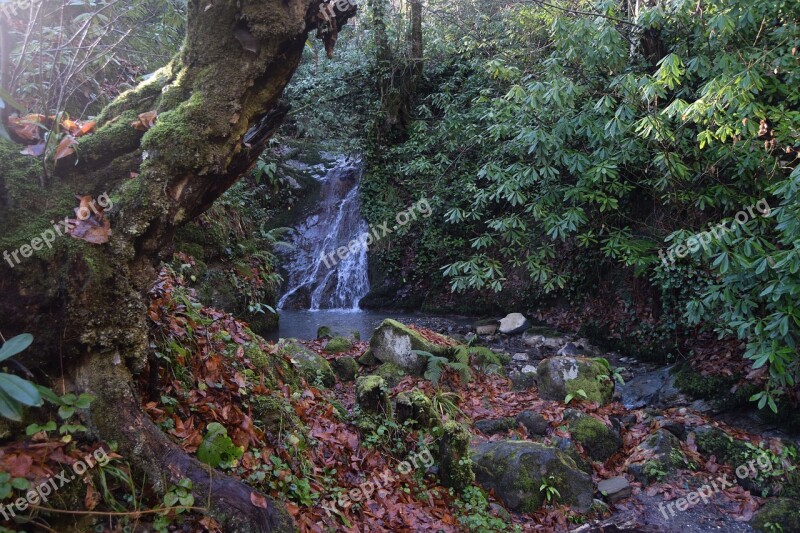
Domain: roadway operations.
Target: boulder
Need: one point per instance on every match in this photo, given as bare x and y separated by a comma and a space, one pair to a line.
523, 379
311, 365
599, 441
394, 343
368, 359
513, 324
345, 368
665, 457
324, 332
535, 423
615, 489
558, 377
486, 327
516, 470
338, 345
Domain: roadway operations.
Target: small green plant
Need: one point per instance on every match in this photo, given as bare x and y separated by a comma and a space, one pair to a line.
217, 449
654, 470
16, 392
7, 484
571, 396
473, 513
548, 488
176, 498
437, 365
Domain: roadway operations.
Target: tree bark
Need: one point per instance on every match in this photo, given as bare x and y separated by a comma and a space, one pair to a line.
218, 103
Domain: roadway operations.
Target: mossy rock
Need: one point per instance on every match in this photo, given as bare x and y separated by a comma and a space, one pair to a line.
345, 368
390, 372
735, 453
599, 441
516, 470
313, 367
559, 377
783, 512
666, 457
417, 408
275, 413
338, 345
372, 396
394, 342
455, 466
324, 332
368, 359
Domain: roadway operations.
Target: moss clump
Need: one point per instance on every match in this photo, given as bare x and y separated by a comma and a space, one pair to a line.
391, 373
416, 407
324, 332
345, 368
600, 441
338, 345
483, 356
368, 359
275, 414
313, 367
372, 396
781, 512
581, 377
454, 457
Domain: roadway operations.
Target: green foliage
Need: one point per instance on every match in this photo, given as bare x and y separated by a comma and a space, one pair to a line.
474, 512
437, 365
571, 153
16, 392
550, 491
217, 448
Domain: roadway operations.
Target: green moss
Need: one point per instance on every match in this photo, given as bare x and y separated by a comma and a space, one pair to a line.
275, 414
338, 345
314, 368
416, 407
454, 458
598, 439
372, 396
368, 359
345, 368
391, 373
782, 512
324, 332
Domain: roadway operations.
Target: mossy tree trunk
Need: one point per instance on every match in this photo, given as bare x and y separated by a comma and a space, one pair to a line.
218, 103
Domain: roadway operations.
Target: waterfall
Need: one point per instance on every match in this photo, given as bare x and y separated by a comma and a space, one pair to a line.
317, 277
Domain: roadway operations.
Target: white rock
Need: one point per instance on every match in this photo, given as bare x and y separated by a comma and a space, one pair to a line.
513, 323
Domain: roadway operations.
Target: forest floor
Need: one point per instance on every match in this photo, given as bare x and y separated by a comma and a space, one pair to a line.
316, 452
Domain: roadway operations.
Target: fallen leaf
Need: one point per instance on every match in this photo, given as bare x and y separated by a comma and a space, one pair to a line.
92, 497
145, 121
258, 500
91, 230
65, 147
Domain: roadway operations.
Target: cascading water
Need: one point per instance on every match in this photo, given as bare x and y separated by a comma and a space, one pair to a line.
314, 282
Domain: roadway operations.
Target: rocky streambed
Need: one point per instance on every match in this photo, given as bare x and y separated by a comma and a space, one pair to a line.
565, 435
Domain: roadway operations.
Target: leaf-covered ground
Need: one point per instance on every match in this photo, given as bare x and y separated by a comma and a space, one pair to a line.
302, 444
